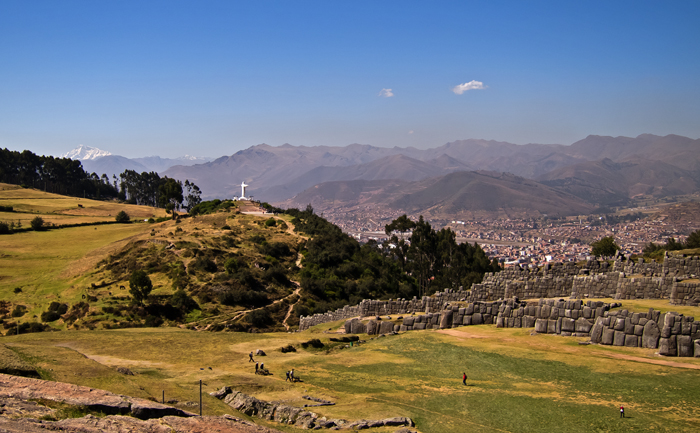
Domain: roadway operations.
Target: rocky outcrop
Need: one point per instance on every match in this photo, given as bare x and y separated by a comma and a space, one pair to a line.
296, 416
20, 414
94, 399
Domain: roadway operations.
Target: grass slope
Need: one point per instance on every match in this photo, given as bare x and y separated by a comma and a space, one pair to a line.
517, 382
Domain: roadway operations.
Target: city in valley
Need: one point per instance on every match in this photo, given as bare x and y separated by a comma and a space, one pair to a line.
533, 242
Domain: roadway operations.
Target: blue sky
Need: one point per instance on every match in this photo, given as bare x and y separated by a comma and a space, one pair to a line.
209, 78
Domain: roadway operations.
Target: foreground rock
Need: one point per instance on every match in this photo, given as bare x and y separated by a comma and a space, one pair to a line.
94, 399
19, 414
296, 416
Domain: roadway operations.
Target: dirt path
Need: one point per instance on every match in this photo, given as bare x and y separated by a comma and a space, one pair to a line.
291, 307
648, 360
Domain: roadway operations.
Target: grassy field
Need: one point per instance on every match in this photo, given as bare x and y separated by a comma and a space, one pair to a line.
518, 382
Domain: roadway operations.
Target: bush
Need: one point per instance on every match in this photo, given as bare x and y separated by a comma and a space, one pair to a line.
315, 343
287, 349
37, 223
5, 228
19, 311
271, 222
122, 217
50, 316
259, 318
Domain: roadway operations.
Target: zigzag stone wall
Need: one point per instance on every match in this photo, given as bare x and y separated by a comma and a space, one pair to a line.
371, 307
678, 335
595, 279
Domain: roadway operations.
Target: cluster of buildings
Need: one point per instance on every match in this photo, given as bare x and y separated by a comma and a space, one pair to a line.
530, 242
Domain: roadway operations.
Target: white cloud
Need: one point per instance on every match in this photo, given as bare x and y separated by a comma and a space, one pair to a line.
386, 93
472, 85
410, 132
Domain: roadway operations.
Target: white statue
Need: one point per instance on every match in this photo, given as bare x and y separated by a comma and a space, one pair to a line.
243, 185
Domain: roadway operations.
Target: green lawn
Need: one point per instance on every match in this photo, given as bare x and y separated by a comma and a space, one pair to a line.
517, 382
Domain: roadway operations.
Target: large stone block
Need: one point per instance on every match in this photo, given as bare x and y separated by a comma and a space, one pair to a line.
597, 330
650, 336
619, 324
467, 320
630, 340
386, 327
477, 319
583, 325
446, 319
528, 321
408, 321
551, 326
517, 322
568, 325
629, 327
697, 348
608, 336
541, 326
500, 322
635, 318
545, 311
638, 330
685, 345
420, 326
667, 346
469, 310
587, 312
619, 339
372, 327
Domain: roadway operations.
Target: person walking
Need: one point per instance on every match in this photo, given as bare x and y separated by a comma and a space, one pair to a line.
287, 376
250, 356
464, 379
622, 411
256, 368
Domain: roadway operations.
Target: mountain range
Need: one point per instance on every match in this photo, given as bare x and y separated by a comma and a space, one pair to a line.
544, 178
104, 162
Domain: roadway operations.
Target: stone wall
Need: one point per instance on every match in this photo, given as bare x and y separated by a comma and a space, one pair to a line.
596, 279
678, 335
593, 279
371, 307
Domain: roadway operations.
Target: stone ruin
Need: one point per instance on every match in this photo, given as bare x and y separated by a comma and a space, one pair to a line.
296, 416
672, 333
623, 279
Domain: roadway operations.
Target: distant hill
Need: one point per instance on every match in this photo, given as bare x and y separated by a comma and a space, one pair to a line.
456, 195
276, 174
613, 183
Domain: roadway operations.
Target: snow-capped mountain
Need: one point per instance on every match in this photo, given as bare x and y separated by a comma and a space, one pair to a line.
86, 153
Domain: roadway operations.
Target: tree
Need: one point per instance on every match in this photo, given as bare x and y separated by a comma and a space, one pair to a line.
122, 217
693, 240
140, 286
604, 247
37, 223
193, 195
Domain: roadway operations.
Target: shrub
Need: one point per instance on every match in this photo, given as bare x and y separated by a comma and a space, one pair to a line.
37, 223
122, 217
271, 222
19, 311
315, 343
288, 348
5, 228
259, 318
50, 316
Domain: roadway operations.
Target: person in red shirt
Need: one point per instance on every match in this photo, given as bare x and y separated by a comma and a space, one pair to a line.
622, 412
464, 378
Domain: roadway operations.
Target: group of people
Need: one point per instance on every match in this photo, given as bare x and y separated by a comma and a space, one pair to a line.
260, 369
291, 377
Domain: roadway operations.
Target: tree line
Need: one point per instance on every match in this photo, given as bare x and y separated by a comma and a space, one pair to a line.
66, 176
417, 260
